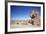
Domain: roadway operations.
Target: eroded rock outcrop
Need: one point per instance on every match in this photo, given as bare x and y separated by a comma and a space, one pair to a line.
35, 19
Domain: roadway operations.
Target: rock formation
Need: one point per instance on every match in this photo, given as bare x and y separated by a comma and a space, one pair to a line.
35, 20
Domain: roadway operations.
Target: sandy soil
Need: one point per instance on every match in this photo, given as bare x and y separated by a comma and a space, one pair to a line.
21, 24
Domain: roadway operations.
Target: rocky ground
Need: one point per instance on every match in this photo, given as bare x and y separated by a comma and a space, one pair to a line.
27, 23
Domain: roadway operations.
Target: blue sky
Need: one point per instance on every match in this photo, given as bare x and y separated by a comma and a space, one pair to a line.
22, 12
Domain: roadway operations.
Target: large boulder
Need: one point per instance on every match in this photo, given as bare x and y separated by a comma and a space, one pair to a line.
36, 21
